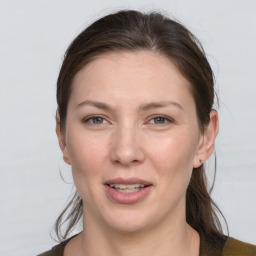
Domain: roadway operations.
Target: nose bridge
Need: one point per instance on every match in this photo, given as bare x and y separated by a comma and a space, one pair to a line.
126, 148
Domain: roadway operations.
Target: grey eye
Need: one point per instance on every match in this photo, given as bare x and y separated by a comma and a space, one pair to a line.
97, 120
159, 120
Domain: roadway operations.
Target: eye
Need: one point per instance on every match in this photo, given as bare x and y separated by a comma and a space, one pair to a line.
160, 120
95, 120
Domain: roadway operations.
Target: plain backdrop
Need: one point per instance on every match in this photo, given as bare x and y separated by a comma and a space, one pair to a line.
33, 37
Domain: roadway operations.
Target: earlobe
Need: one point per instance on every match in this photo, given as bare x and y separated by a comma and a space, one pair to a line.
206, 144
61, 139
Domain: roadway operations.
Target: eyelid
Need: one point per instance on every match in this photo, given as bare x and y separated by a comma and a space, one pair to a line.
168, 118
88, 118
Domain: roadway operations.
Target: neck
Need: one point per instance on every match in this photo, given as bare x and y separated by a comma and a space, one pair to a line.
165, 239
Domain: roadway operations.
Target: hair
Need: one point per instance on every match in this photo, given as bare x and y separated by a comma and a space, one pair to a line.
133, 31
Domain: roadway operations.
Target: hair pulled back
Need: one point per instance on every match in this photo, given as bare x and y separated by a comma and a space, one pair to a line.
131, 30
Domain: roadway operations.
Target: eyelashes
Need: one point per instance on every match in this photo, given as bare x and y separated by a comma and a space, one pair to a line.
101, 121
160, 120
95, 121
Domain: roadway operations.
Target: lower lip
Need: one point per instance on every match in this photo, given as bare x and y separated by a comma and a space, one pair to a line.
127, 198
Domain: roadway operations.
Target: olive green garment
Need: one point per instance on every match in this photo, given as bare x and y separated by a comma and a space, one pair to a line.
218, 246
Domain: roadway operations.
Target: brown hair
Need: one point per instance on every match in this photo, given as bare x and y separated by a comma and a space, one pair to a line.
130, 30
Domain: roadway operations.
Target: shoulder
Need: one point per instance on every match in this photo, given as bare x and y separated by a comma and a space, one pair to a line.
58, 249
218, 244
48, 253
235, 247
55, 251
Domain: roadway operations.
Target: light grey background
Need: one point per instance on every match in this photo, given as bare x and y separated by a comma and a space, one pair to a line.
33, 37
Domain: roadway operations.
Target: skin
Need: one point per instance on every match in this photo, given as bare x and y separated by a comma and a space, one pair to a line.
160, 144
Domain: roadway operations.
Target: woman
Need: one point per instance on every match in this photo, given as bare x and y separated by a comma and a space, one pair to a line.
135, 121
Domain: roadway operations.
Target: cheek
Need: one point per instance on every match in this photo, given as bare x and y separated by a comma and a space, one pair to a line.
174, 165
174, 151
87, 170
172, 158
87, 155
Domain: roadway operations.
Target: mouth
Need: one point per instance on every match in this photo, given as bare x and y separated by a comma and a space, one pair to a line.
128, 188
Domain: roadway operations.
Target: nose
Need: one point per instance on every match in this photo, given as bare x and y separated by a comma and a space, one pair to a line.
126, 147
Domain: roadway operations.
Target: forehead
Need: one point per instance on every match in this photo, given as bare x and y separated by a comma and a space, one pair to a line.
127, 76
142, 62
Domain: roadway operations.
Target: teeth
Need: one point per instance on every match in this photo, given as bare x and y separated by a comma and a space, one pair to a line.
126, 186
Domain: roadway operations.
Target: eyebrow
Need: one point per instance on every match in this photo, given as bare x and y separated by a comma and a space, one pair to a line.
160, 104
144, 107
96, 104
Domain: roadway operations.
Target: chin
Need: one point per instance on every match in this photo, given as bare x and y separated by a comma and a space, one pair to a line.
129, 221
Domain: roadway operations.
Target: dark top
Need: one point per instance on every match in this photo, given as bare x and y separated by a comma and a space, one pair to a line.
215, 246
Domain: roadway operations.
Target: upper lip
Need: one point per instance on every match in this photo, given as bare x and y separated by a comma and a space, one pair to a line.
126, 181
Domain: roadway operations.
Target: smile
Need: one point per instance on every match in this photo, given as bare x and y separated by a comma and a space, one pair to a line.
128, 191
127, 188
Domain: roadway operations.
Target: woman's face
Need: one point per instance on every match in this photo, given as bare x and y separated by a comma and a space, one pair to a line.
132, 139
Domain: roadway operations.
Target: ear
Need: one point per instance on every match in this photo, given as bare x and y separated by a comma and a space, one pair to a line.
61, 139
206, 144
